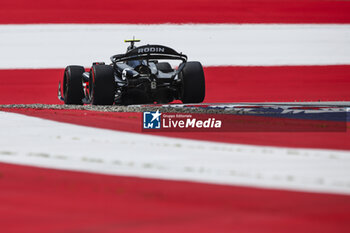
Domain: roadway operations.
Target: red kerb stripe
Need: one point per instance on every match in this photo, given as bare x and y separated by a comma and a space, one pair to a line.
43, 200
180, 11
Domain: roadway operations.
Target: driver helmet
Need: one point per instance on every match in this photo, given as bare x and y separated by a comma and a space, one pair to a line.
134, 63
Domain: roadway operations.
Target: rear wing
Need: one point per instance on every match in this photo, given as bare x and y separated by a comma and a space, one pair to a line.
147, 52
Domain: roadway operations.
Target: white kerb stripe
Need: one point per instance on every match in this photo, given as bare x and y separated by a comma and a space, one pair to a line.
33, 141
57, 45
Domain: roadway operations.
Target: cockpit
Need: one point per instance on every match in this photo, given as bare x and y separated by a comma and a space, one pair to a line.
135, 63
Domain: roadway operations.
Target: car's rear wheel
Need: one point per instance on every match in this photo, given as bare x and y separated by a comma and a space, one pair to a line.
102, 85
193, 83
72, 85
164, 67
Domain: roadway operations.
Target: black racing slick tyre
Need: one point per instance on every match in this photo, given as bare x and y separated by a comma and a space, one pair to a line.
164, 67
72, 85
102, 85
193, 83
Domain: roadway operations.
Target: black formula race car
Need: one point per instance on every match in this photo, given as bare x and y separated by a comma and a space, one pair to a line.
136, 77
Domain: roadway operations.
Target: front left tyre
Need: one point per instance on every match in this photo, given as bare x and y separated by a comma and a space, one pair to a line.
72, 85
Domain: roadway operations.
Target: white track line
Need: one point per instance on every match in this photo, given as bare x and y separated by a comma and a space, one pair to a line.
33, 141
56, 45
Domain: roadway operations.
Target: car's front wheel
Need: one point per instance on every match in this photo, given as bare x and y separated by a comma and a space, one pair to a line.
102, 85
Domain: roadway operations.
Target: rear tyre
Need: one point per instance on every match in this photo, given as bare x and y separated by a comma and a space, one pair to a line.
164, 67
193, 83
72, 85
102, 85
